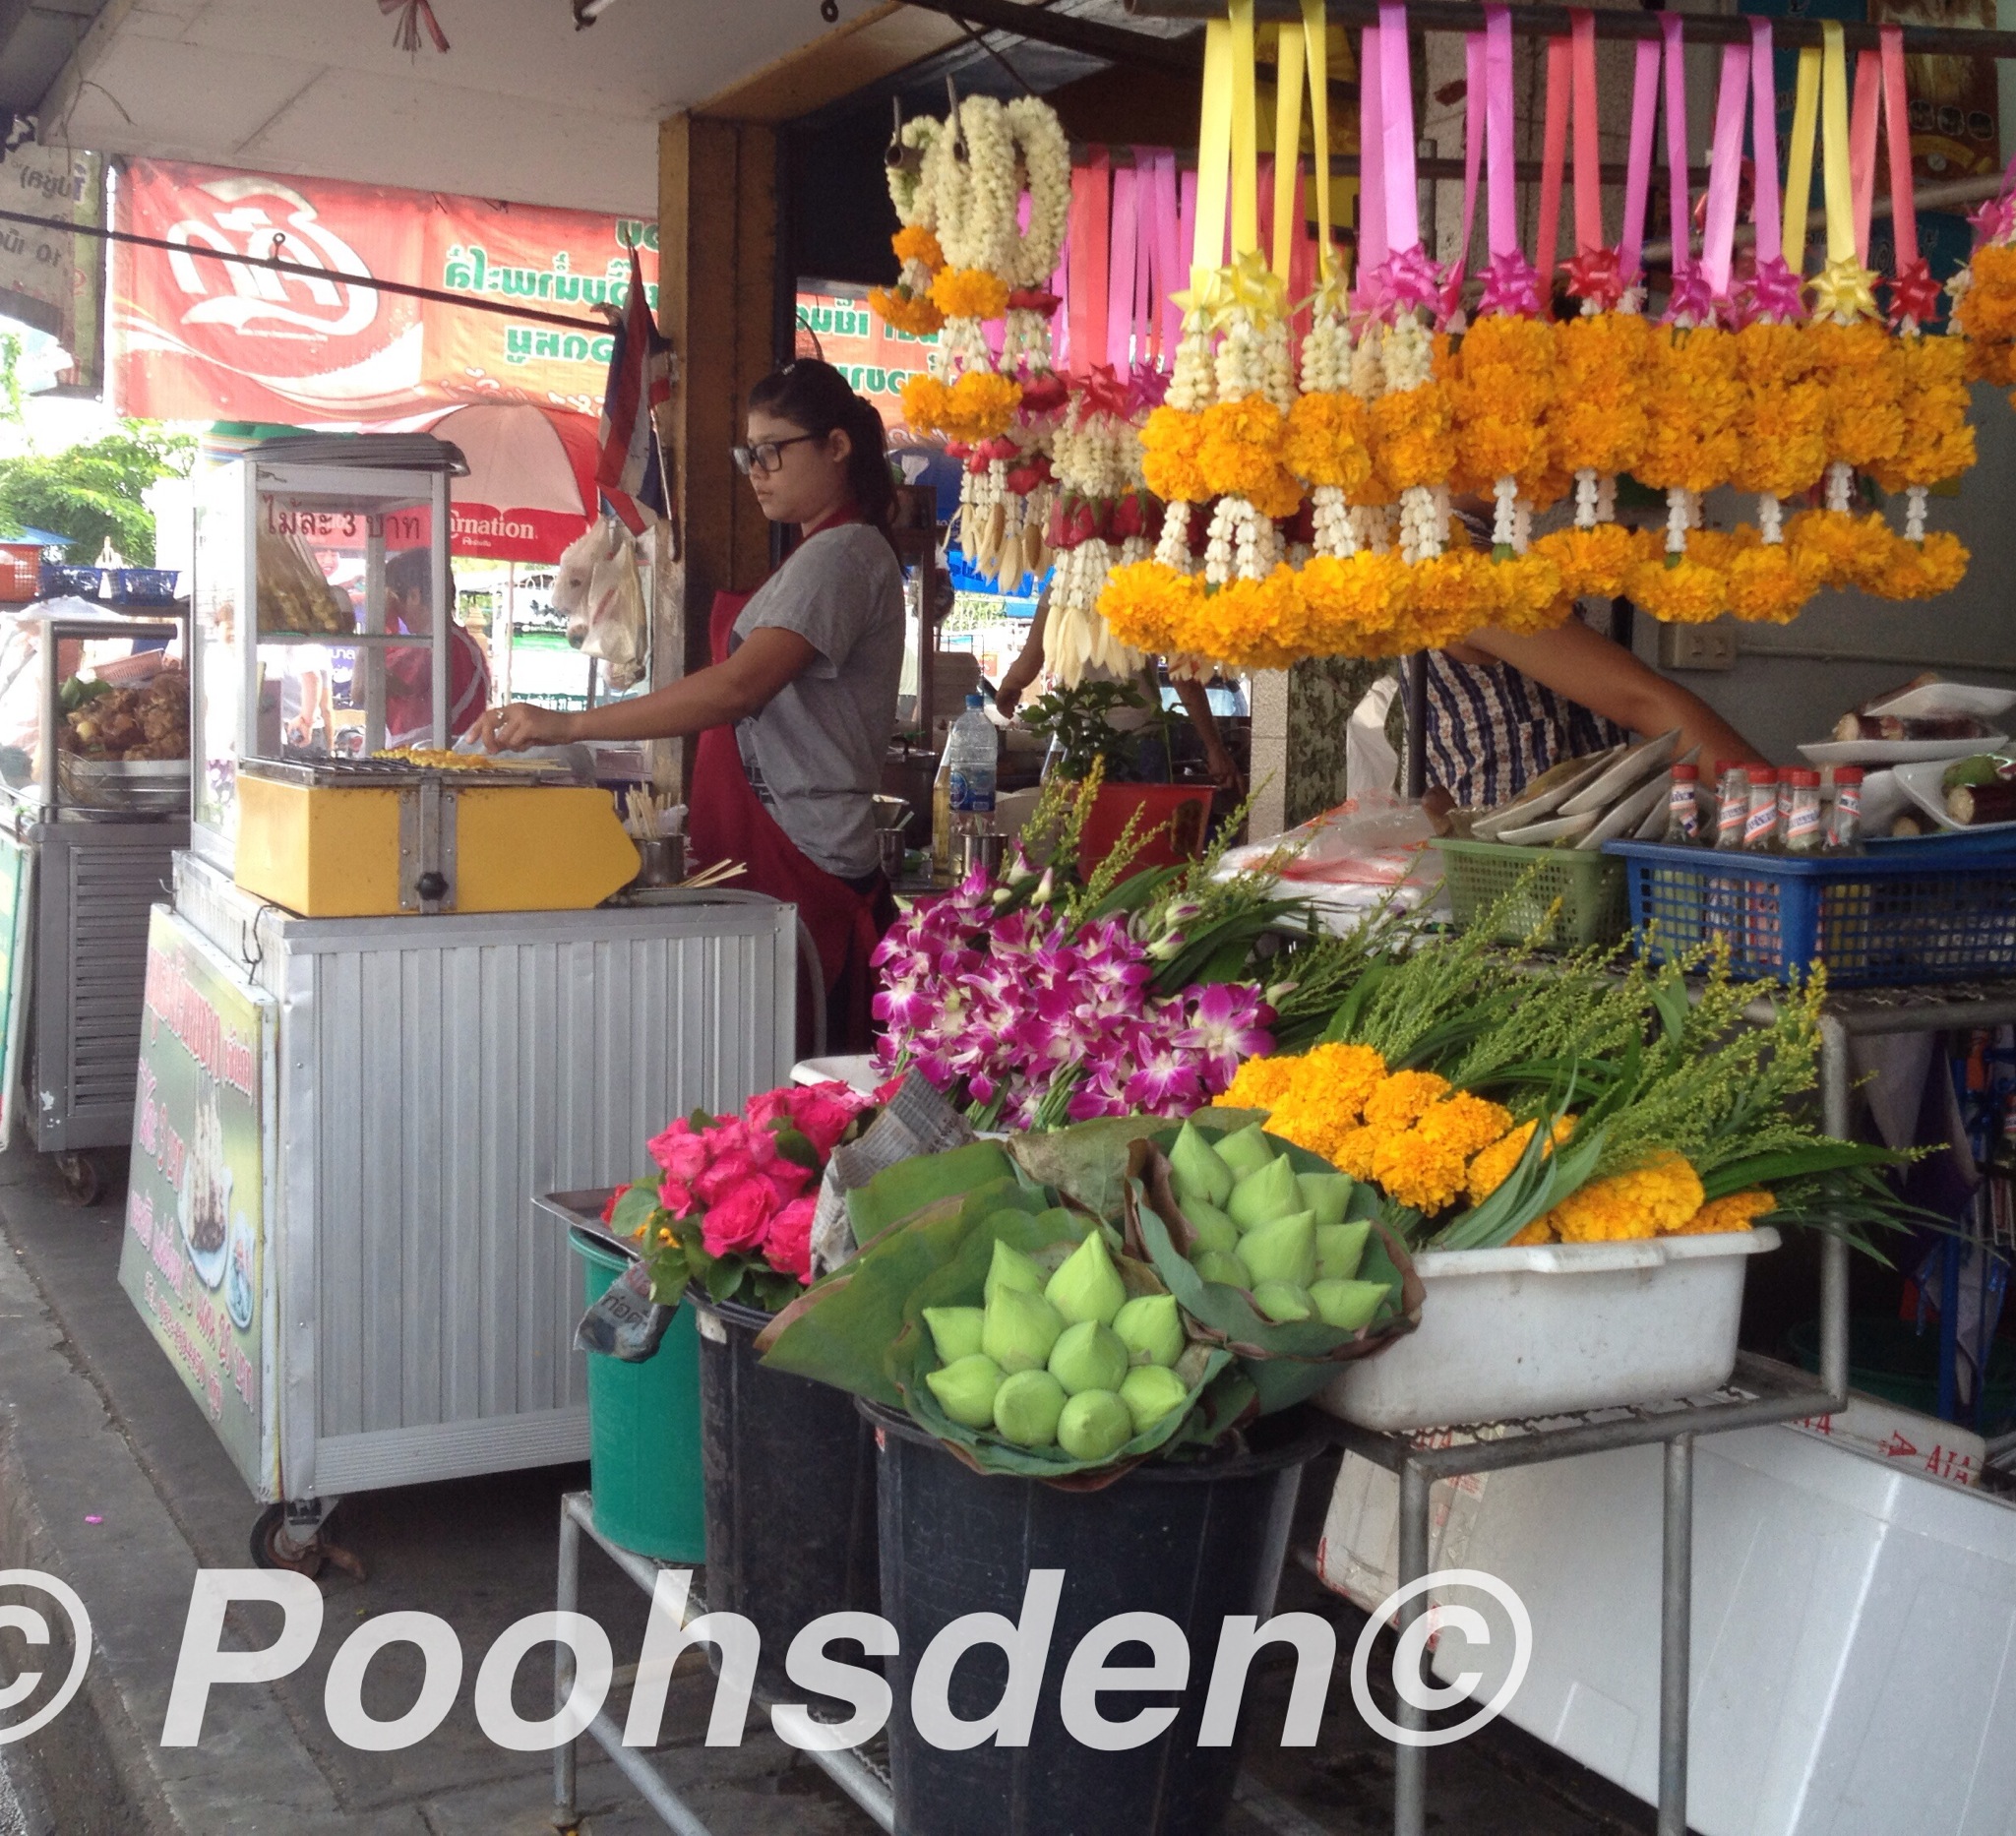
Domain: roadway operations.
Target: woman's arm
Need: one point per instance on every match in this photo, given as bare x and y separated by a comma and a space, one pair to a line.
1221, 764
1607, 680
1016, 678
718, 695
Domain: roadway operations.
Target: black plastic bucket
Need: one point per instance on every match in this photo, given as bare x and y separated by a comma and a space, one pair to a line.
1193, 1543
790, 1492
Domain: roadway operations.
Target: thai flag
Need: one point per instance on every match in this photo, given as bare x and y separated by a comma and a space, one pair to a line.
628, 466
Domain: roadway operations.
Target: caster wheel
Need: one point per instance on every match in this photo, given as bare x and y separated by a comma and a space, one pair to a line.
273, 1548
84, 1184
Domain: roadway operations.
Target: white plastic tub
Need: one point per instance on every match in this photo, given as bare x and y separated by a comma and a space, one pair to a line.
1510, 1333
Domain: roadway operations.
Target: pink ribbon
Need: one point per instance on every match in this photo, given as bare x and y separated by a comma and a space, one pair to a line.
1774, 290
1588, 158
1473, 169
1371, 169
1397, 129
1669, 25
1124, 243
1862, 146
1554, 155
1091, 220
1725, 171
1510, 280
1638, 161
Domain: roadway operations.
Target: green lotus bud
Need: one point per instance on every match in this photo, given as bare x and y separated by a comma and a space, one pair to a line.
1010, 1269
1283, 1250
1213, 1229
1261, 1197
1094, 1426
1151, 1329
1326, 1195
1283, 1302
1246, 1150
1019, 1331
1349, 1305
1150, 1393
955, 1330
1199, 1170
1340, 1248
1088, 1355
1087, 1286
1026, 1408
1217, 1265
965, 1390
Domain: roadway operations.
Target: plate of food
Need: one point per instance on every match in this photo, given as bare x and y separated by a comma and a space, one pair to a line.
1974, 794
203, 1209
239, 1292
1922, 721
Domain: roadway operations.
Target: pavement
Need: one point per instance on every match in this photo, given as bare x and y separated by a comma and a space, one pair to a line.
111, 1480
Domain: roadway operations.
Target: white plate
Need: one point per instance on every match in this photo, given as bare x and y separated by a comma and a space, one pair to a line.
1646, 757
1554, 829
1541, 798
1652, 795
1921, 784
1948, 698
1899, 752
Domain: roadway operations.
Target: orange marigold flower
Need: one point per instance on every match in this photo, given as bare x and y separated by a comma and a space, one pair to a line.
1772, 582
1151, 607
1400, 1100
1418, 1170
1259, 1083
1593, 562
1682, 590
1327, 439
905, 311
1493, 1166
1240, 450
1169, 456
1642, 1202
1737, 1211
915, 244
969, 293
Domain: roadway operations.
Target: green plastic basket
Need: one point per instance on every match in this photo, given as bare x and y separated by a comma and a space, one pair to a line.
1595, 906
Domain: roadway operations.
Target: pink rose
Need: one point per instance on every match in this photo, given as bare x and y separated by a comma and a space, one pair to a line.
787, 1180
676, 1198
740, 1221
680, 1151
727, 1172
789, 1247
768, 1106
823, 1113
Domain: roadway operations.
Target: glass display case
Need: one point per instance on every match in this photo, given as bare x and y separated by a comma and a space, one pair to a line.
344, 567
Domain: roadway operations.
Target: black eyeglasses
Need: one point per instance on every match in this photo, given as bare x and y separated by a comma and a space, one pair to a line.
766, 454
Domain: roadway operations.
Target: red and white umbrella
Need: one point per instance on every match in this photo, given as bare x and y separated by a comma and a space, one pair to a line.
531, 490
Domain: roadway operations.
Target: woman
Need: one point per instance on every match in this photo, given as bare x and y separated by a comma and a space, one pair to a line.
796, 710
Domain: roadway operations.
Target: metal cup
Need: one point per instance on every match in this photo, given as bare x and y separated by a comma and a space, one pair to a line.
654, 864
894, 846
984, 851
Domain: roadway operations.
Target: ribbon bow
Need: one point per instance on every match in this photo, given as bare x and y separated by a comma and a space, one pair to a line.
1511, 286
1597, 275
412, 15
1844, 289
1103, 392
1774, 290
1254, 287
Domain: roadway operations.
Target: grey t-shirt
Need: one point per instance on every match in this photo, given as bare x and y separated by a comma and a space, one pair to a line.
816, 753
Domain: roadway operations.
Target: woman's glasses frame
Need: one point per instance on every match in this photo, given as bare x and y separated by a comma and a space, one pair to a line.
765, 455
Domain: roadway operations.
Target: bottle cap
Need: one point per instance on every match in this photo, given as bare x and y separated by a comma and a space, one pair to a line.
1763, 774
1686, 774
1848, 774
1724, 767
976, 700
1800, 778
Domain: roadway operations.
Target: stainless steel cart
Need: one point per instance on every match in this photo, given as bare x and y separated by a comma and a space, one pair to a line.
92, 842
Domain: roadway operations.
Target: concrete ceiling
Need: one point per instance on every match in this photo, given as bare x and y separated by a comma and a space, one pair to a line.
521, 107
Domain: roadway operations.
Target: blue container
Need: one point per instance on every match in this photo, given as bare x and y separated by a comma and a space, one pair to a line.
1872, 919
74, 582
140, 587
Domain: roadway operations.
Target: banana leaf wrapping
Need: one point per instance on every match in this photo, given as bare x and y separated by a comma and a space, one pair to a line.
1286, 1361
861, 1329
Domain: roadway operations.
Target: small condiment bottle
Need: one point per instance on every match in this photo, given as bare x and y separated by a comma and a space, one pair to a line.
1844, 833
1732, 805
1802, 789
1684, 807
1760, 825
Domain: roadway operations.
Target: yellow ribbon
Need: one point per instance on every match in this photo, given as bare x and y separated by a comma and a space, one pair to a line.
1798, 161
1249, 286
1287, 143
1214, 156
1246, 140
1844, 289
1834, 145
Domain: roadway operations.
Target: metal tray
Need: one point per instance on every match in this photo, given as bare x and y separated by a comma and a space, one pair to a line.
157, 784
397, 773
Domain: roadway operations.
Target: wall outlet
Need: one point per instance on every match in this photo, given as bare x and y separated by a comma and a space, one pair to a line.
1697, 646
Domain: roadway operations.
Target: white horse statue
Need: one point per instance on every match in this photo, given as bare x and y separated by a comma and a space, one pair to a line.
596, 586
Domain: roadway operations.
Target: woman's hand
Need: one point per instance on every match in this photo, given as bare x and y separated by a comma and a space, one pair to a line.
520, 724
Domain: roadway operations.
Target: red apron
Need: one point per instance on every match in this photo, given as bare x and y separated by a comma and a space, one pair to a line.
726, 821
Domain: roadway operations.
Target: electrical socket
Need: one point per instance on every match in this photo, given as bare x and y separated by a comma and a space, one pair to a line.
1697, 646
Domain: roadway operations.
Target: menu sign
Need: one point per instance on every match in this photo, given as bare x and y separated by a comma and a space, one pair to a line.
194, 1257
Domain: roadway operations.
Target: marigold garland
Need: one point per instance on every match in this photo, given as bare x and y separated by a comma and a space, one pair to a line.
1598, 420
978, 406
1593, 562
1501, 389
1680, 590
1169, 441
1327, 439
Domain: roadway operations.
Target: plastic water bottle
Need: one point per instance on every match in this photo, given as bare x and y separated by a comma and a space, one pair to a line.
973, 753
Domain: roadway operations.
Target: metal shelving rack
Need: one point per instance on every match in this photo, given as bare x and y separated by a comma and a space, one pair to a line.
1761, 1392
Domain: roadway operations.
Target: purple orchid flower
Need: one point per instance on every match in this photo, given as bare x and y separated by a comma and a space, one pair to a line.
1228, 1022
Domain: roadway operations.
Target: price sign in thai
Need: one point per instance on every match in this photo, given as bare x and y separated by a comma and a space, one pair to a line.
194, 1256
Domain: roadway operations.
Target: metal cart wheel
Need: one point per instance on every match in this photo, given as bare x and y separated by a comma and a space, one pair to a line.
303, 1549
84, 1178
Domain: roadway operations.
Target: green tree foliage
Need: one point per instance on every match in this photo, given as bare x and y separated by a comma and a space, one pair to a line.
92, 491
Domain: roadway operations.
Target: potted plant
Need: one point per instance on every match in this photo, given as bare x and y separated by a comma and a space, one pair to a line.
1169, 820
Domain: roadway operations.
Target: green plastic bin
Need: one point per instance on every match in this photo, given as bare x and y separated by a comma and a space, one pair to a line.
644, 1431
1594, 907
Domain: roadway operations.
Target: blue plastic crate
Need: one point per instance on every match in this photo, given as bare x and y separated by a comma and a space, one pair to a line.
59, 583
140, 587
1870, 919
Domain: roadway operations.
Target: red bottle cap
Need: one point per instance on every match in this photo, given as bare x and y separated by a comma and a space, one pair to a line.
1800, 778
1686, 773
1763, 774
1848, 774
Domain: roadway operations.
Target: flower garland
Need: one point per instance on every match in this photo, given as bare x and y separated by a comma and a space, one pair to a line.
910, 306
1100, 521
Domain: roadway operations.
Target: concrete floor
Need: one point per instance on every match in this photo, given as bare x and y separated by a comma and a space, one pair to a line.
110, 1478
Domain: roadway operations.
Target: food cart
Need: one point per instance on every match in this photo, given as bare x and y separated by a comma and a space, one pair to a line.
95, 802
385, 1008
